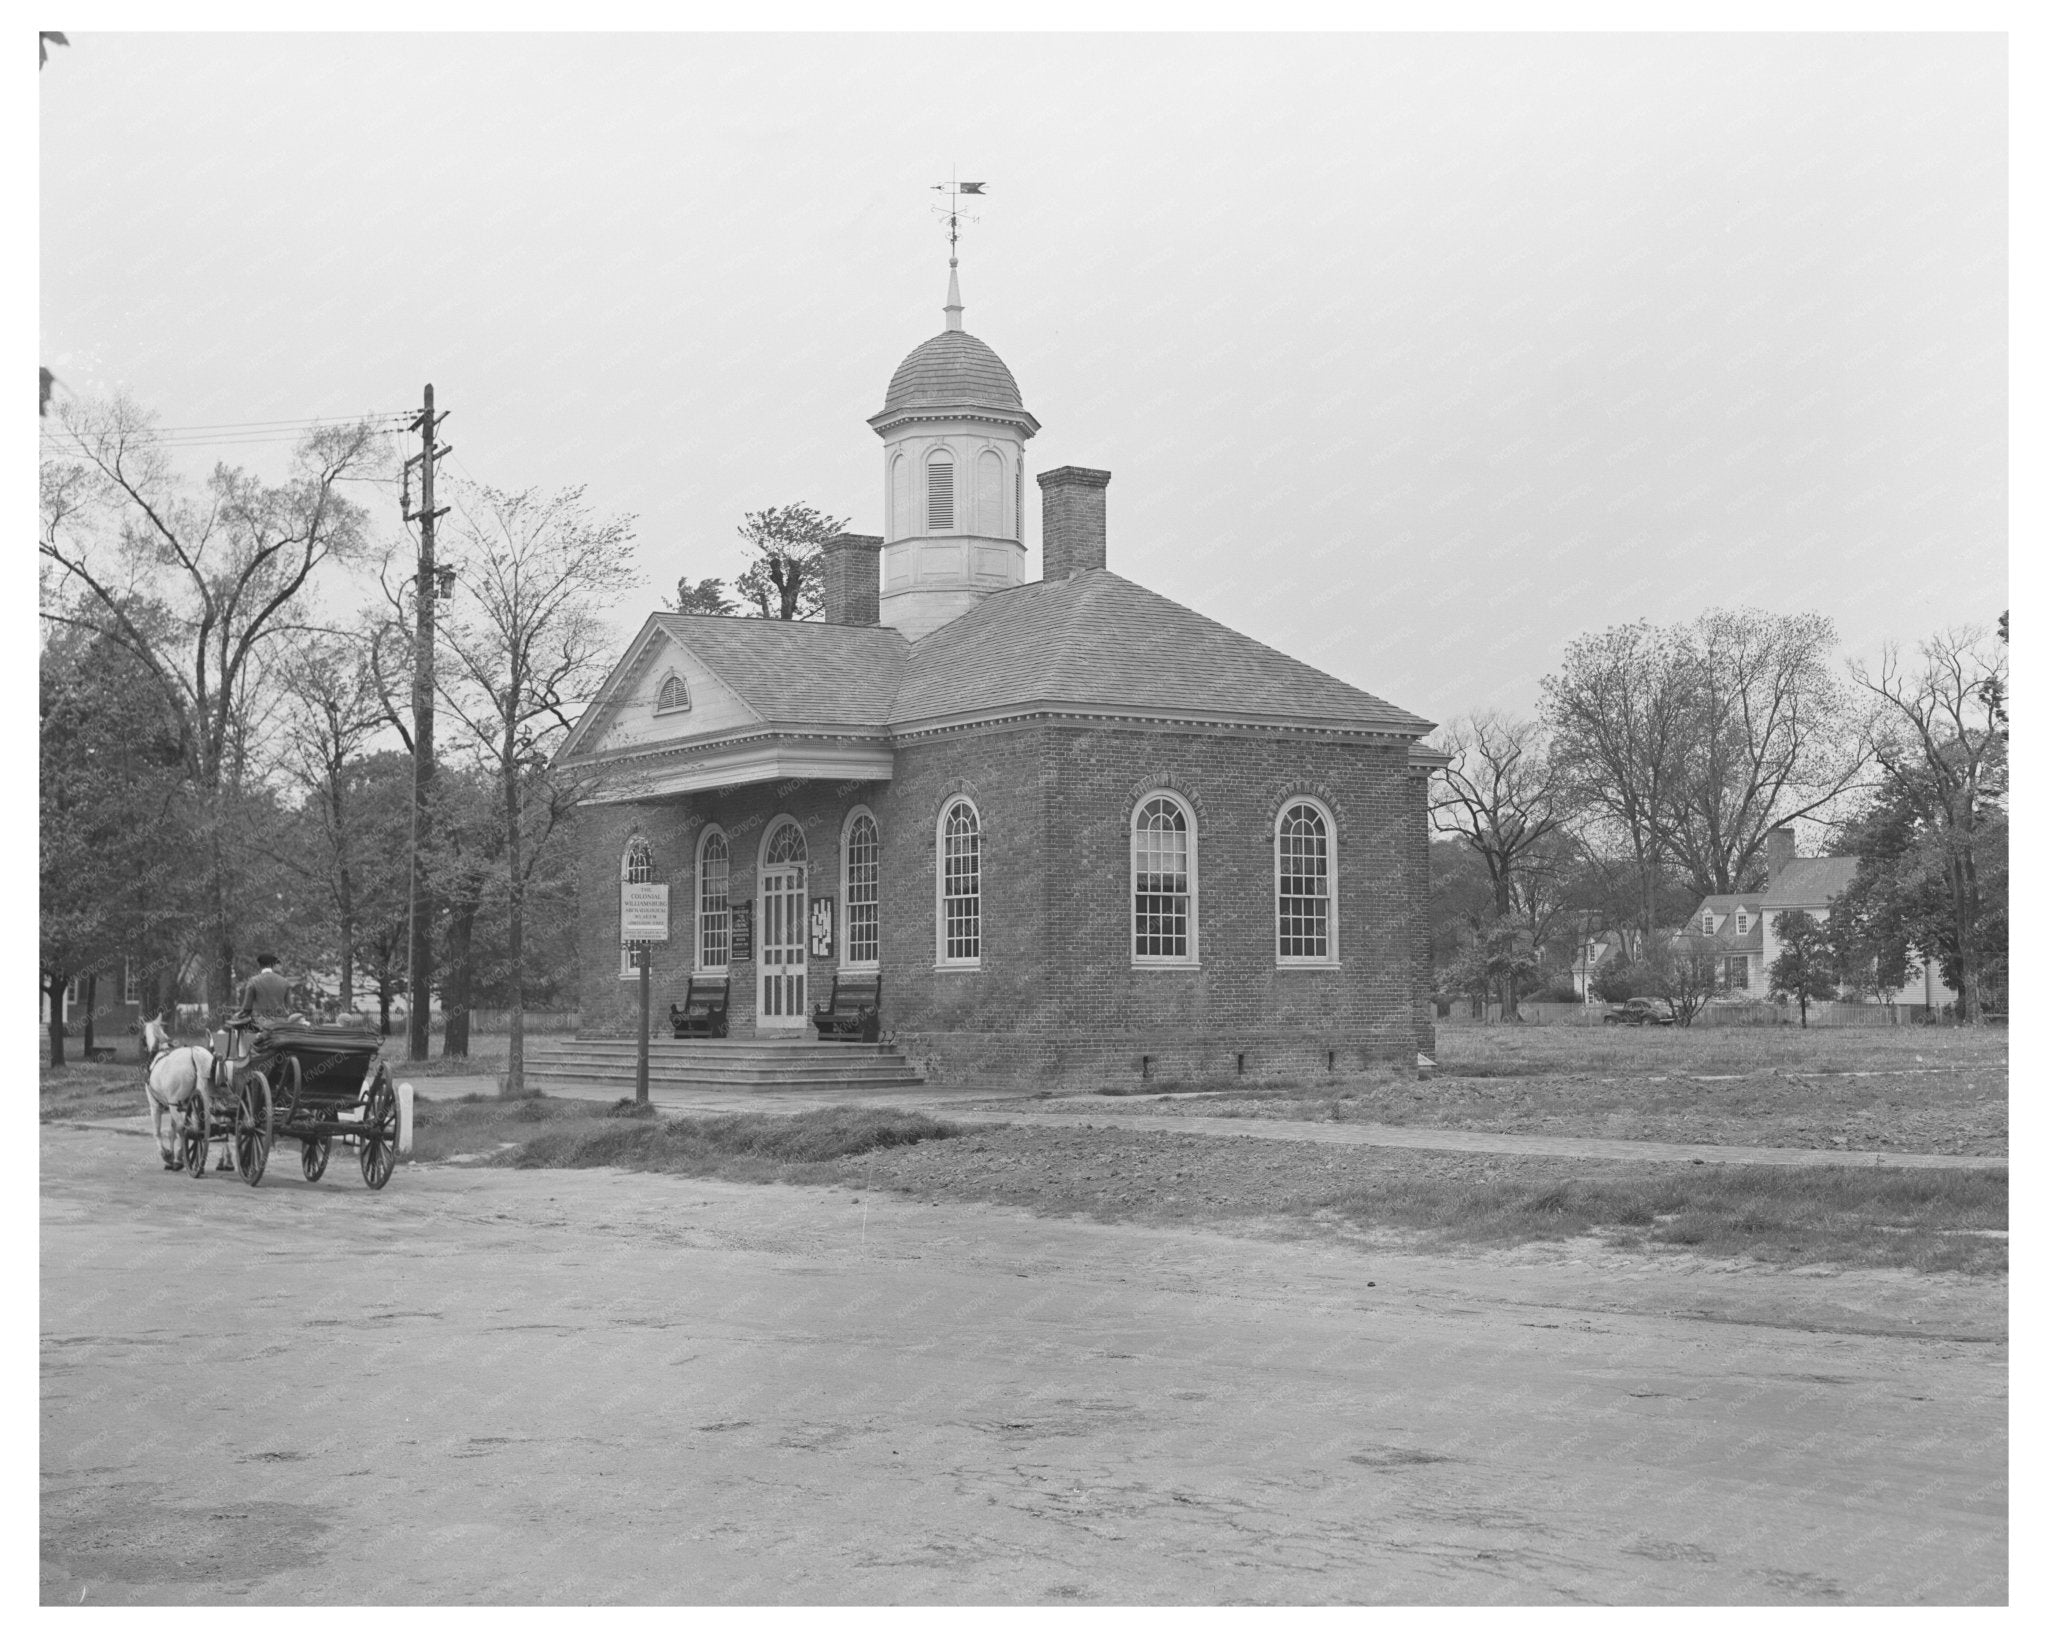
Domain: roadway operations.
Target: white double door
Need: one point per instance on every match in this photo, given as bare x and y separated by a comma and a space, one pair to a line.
784, 917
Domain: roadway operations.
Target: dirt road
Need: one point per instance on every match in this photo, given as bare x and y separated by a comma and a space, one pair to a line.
622, 1388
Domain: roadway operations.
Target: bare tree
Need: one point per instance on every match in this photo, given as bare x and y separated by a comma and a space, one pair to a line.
222, 571
1617, 714
530, 647
1500, 796
1770, 739
1943, 743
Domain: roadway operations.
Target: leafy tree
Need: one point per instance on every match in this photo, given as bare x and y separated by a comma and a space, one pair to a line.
221, 573
117, 842
1804, 970
530, 646
1943, 741
786, 580
705, 597
1688, 972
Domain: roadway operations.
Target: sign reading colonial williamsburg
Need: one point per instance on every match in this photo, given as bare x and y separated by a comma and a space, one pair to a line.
742, 931
643, 911
821, 928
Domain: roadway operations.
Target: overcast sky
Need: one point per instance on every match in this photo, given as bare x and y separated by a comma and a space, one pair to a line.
1413, 356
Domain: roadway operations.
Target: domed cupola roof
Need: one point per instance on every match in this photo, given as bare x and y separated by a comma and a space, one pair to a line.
953, 377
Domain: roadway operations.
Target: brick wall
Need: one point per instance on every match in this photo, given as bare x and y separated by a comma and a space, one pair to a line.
1056, 999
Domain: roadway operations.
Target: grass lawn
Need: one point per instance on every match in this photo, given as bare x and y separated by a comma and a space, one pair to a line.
1922, 1220
1920, 1091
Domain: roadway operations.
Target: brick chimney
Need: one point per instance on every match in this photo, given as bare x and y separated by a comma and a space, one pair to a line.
1075, 520
1780, 849
853, 580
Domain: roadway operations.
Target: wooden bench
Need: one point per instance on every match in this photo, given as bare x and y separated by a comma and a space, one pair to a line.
703, 1010
855, 1011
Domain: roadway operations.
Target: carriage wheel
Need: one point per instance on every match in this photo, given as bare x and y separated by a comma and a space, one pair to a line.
288, 1083
313, 1157
192, 1129
253, 1121
379, 1142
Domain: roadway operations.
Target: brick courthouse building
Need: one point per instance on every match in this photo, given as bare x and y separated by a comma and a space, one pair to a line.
1084, 835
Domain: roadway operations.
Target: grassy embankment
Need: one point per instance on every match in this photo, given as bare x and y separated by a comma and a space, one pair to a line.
1923, 1220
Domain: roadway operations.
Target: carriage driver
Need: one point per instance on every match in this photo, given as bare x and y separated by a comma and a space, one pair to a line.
266, 998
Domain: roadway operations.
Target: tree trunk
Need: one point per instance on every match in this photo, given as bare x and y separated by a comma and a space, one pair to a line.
455, 982
53, 987
348, 962
515, 924
91, 999
383, 1006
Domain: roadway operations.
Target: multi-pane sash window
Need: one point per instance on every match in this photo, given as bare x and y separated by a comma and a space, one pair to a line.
863, 891
960, 885
1738, 972
636, 866
1303, 885
714, 917
131, 983
1162, 903
938, 477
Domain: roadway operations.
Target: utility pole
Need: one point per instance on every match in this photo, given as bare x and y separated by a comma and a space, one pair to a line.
419, 907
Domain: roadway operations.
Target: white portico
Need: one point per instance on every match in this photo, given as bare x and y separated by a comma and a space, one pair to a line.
953, 428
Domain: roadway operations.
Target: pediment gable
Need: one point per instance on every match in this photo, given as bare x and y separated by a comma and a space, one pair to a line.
661, 691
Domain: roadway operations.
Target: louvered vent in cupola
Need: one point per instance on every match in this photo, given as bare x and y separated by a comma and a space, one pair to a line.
674, 695
938, 508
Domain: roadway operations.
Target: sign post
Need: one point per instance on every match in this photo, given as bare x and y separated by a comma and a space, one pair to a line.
643, 919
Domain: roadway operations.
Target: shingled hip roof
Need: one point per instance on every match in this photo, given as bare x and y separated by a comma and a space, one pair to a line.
952, 371
1100, 642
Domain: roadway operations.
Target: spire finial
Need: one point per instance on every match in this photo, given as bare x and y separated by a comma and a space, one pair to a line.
951, 211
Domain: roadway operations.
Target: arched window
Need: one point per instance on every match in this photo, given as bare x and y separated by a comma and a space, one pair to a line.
636, 864
786, 846
1305, 885
988, 493
899, 499
1017, 515
714, 913
862, 874
960, 886
1163, 929
674, 695
938, 491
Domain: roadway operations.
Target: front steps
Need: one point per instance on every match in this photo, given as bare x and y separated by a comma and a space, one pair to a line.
767, 1066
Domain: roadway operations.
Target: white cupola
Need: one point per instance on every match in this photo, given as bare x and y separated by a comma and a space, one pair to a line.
953, 428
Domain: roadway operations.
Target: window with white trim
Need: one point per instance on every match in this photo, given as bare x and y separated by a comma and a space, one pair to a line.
1737, 976
1162, 883
1304, 886
131, 983
861, 871
674, 695
1741, 921
636, 864
1707, 922
714, 912
938, 491
960, 886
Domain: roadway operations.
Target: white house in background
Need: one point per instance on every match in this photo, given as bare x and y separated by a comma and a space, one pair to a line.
1743, 925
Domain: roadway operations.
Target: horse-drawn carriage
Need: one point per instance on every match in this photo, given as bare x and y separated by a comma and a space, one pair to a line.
313, 1084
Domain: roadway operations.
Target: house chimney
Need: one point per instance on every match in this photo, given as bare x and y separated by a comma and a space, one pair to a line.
1075, 520
853, 580
1780, 849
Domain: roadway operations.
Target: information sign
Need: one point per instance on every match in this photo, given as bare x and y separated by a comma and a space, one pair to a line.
643, 911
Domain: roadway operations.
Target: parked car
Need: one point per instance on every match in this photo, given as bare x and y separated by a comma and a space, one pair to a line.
1642, 1009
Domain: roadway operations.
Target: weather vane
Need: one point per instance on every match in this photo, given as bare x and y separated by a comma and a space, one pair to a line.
951, 210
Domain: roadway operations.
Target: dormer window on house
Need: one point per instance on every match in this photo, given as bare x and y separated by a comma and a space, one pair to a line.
1707, 922
1742, 921
674, 695
938, 479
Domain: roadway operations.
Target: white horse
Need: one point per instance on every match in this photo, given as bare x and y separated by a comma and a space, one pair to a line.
179, 1081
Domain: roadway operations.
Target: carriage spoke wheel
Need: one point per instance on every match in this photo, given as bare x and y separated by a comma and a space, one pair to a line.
313, 1157
253, 1122
192, 1145
378, 1146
